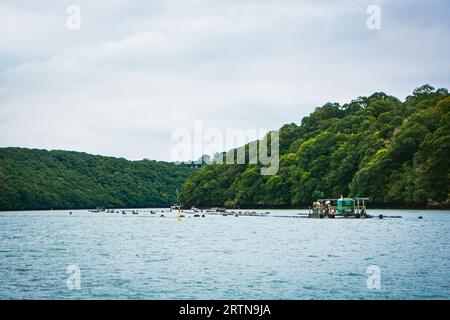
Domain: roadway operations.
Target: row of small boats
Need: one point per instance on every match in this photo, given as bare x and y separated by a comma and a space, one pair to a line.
125, 211
193, 212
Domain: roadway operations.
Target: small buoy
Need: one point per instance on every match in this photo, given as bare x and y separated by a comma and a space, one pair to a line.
380, 216
420, 217
70, 212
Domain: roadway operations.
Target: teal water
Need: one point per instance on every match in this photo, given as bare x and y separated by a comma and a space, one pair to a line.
150, 257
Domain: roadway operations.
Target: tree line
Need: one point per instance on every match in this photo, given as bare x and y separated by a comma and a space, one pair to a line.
395, 152
40, 179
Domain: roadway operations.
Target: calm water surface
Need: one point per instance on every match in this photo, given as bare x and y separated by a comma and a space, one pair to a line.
150, 257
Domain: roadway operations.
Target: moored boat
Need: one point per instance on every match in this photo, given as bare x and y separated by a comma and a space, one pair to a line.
339, 208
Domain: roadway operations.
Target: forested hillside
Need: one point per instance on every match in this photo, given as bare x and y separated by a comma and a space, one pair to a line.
395, 152
40, 179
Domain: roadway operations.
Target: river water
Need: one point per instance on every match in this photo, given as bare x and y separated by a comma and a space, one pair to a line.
55, 255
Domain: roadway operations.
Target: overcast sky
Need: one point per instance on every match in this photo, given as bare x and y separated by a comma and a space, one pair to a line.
137, 70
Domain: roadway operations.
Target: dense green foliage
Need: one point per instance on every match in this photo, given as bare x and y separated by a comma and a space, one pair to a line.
397, 153
40, 179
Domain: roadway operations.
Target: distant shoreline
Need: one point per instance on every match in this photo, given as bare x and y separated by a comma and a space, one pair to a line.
246, 208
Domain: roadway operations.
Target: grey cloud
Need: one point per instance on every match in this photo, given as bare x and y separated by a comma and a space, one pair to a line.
138, 70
